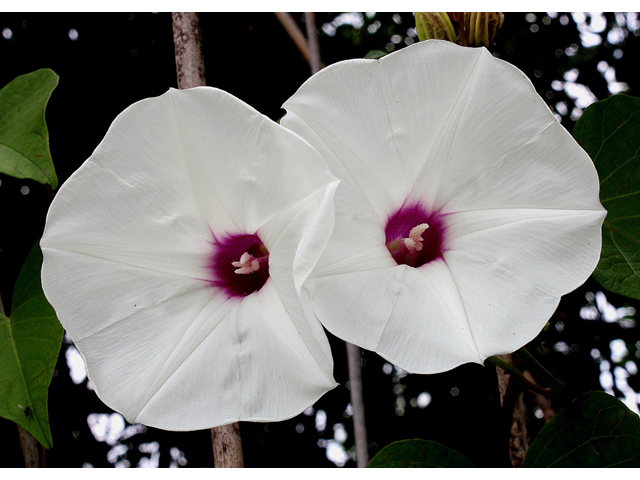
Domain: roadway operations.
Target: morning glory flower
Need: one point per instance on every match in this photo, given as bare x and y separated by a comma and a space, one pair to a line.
174, 257
465, 212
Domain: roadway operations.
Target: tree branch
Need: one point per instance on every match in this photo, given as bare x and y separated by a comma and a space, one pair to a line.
32, 451
187, 41
312, 37
357, 403
227, 446
290, 25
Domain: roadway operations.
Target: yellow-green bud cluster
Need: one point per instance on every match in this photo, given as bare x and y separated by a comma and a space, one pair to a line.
481, 27
435, 25
473, 29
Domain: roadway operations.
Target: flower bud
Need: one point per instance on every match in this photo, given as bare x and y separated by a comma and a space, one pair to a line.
434, 25
481, 27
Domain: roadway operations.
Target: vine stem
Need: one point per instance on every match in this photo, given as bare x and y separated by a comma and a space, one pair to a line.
512, 403
527, 381
187, 39
538, 369
542, 401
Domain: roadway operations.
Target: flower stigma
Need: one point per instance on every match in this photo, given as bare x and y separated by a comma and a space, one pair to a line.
414, 242
239, 278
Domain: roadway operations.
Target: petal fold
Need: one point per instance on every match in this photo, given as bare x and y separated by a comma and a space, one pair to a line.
411, 317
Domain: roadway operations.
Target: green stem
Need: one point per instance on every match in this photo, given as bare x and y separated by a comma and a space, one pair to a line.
507, 367
537, 369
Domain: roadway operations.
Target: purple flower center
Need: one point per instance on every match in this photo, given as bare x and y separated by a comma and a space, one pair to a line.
415, 236
239, 264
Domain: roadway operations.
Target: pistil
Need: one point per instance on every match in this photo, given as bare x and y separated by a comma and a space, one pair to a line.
249, 264
239, 264
414, 242
415, 235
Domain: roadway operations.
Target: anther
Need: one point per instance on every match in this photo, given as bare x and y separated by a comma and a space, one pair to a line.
247, 264
414, 242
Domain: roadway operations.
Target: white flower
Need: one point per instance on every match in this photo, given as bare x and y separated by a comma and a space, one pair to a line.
174, 257
453, 138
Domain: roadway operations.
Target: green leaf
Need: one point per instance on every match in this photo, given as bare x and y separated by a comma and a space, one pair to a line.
596, 430
418, 454
609, 131
24, 139
373, 54
29, 345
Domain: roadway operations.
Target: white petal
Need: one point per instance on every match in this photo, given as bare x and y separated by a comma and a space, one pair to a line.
465, 134
512, 266
198, 360
355, 305
505, 311
430, 317
357, 240
126, 322
554, 249
178, 356
263, 158
375, 121
510, 153
412, 317
126, 251
296, 237
133, 200
253, 366
169, 172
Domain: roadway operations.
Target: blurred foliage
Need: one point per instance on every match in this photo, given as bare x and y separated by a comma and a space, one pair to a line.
595, 431
547, 47
591, 342
418, 454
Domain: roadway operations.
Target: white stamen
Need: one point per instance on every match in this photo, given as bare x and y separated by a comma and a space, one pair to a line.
414, 242
247, 264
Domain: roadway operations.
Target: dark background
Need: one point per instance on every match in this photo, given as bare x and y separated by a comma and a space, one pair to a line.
120, 58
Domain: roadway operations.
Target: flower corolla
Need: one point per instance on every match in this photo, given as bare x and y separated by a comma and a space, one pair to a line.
455, 139
174, 257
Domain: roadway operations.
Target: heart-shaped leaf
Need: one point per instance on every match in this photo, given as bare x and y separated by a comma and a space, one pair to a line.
418, 454
24, 138
596, 430
609, 130
30, 341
